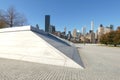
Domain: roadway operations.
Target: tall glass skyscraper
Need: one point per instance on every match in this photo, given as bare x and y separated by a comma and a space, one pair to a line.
47, 23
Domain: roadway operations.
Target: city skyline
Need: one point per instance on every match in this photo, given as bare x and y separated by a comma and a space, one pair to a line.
69, 14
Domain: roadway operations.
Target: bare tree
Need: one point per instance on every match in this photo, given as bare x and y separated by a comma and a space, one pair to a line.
13, 18
3, 24
2, 20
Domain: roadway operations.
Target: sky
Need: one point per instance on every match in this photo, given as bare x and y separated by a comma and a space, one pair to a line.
68, 13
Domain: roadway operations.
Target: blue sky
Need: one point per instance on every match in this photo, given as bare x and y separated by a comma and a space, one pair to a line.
68, 13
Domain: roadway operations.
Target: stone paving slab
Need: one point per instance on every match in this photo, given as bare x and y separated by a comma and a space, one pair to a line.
101, 63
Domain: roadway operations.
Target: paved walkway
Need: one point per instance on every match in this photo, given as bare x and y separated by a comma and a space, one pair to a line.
101, 63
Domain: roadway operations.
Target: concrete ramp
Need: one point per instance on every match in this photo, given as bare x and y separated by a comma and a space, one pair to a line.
30, 44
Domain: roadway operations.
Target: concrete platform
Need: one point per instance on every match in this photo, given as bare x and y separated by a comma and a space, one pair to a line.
30, 44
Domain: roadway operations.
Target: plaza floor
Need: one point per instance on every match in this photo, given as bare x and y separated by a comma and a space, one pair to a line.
101, 63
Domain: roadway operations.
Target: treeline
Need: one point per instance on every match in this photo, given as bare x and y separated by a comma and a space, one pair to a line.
10, 18
111, 38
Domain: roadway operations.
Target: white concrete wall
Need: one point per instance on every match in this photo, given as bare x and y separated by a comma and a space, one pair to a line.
25, 45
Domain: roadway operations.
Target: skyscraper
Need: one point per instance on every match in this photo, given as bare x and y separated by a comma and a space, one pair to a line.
47, 23
92, 26
74, 33
65, 30
84, 30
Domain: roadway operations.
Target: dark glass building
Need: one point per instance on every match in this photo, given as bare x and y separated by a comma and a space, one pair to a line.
47, 23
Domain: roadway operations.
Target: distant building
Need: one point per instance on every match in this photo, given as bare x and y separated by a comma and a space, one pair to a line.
47, 23
37, 26
65, 30
69, 36
111, 26
103, 30
91, 36
100, 30
92, 26
96, 36
57, 33
78, 34
118, 28
74, 33
83, 30
51, 29
108, 29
